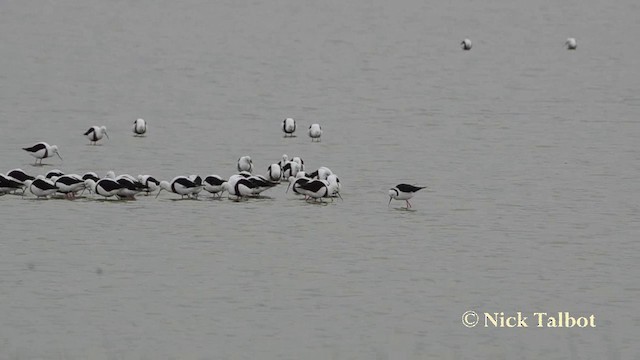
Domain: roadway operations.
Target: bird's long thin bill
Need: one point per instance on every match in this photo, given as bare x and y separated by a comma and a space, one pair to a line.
340, 196
288, 188
107, 135
158, 194
59, 156
389, 201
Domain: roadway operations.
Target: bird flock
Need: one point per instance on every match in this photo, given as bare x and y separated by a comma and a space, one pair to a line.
314, 186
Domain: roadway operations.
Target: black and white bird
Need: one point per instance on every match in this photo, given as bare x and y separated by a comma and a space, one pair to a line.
315, 132
571, 44
318, 189
298, 159
290, 169
53, 173
20, 175
285, 159
42, 150
90, 175
295, 183
180, 185
96, 133
130, 185
466, 44
403, 192
289, 127
139, 127
9, 184
214, 184
322, 173
274, 173
104, 187
260, 184
69, 185
198, 181
41, 187
245, 164
239, 186
149, 183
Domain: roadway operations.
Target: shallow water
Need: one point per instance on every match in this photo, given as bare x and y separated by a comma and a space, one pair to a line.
529, 152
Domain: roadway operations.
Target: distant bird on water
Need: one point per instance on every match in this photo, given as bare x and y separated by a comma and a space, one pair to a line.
403, 192
571, 44
96, 133
289, 127
42, 150
139, 127
466, 44
315, 132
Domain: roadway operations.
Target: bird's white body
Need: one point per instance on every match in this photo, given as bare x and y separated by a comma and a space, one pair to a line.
315, 132
214, 184
180, 185
104, 187
571, 44
285, 159
42, 150
290, 169
260, 183
298, 159
274, 173
69, 184
9, 184
322, 173
295, 183
130, 185
41, 187
403, 192
289, 127
149, 183
197, 180
245, 164
19, 175
139, 127
466, 44
239, 186
96, 133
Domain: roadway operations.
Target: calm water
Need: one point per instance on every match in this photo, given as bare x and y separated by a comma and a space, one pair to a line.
530, 153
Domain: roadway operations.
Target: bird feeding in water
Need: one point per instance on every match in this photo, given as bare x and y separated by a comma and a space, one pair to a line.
42, 150
289, 127
180, 185
214, 184
96, 133
315, 132
41, 187
571, 44
403, 192
139, 127
466, 44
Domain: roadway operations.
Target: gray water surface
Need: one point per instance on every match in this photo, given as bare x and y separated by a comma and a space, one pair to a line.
529, 151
